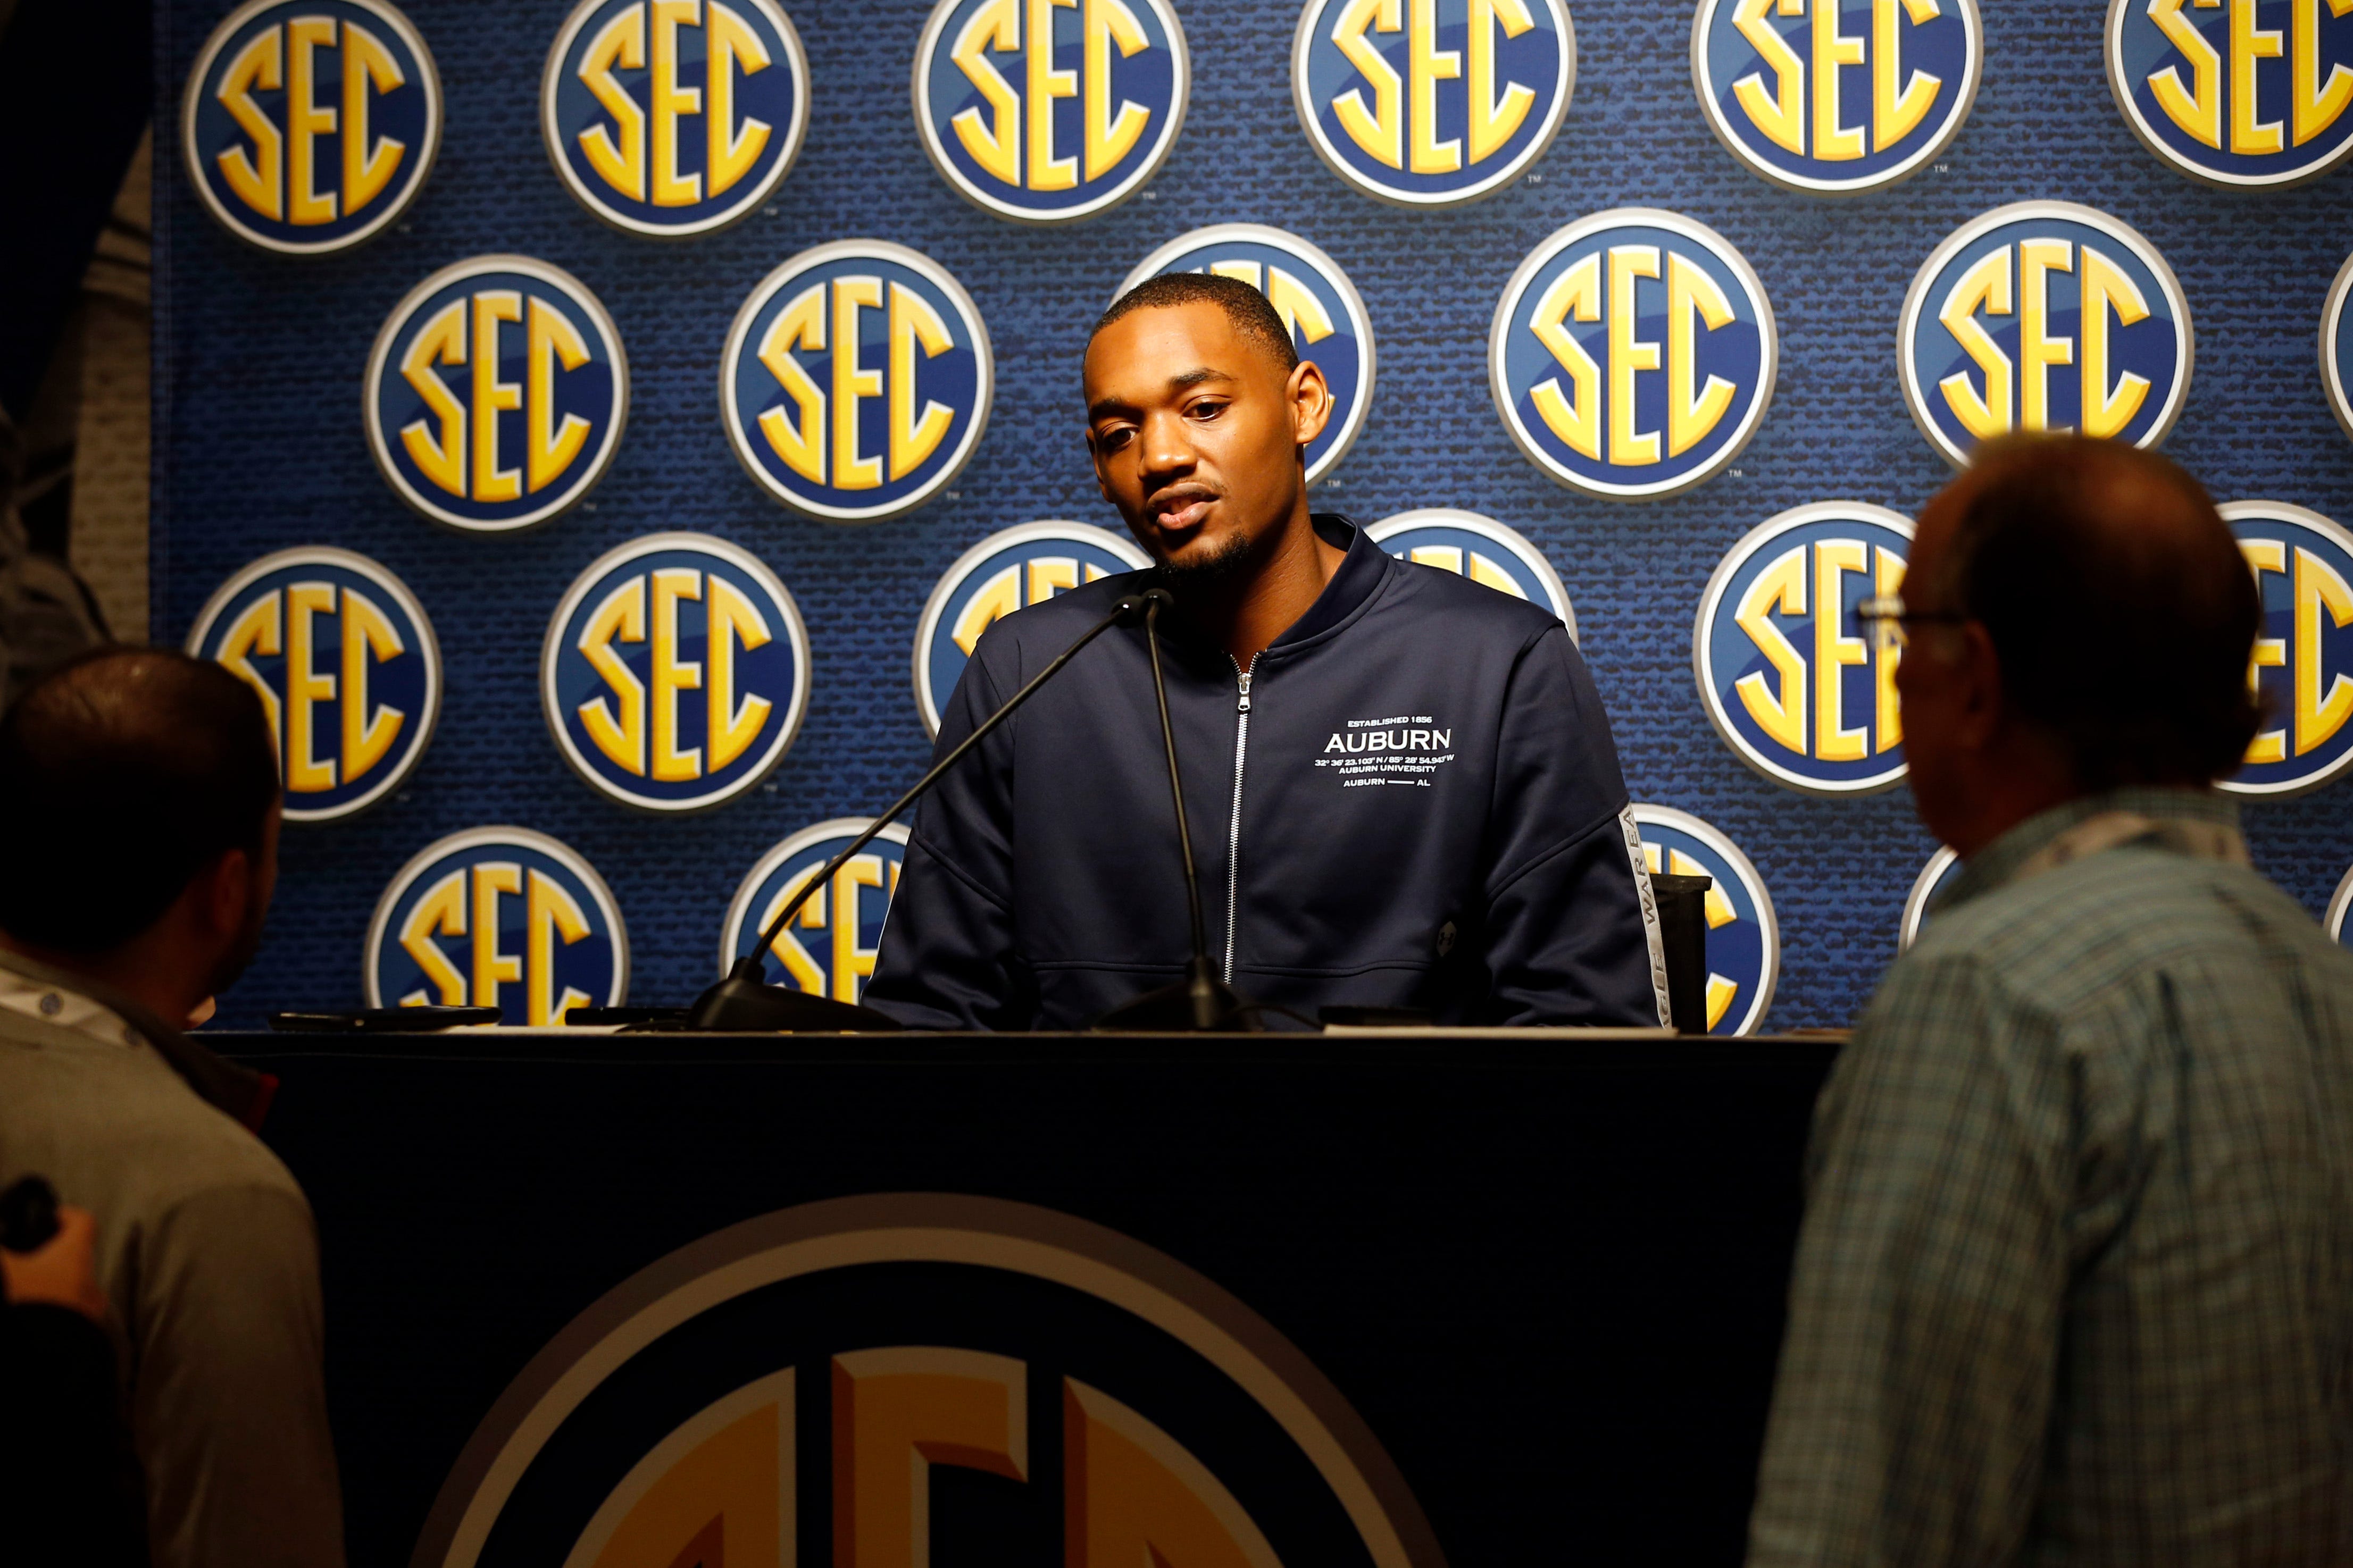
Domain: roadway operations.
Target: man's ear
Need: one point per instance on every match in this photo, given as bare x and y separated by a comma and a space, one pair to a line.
1310, 401
224, 889
1985, 705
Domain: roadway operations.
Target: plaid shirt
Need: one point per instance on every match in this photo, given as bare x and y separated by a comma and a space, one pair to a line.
2075, 1282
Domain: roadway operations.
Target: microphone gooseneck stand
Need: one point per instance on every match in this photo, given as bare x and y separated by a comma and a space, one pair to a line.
1200, 1001
744, 1001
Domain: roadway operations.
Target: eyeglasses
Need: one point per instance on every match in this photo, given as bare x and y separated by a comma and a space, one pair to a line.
1888, 620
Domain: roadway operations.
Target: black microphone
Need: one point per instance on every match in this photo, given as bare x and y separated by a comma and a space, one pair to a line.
744, 1001
1200, 1001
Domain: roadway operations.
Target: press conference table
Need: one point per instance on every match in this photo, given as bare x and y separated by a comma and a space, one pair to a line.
1548, 1273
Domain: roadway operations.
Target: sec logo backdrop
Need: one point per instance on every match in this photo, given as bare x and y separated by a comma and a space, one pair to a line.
1836, 97
1316, 301
1007, 571
909, 1378
2044, 316
2249, 95
498, 917
856, 381
1477, 548
496, 394
829, 950
1790, 677
1048, 111
1432, 102
2303, 663
1632, 355
1744, 941
347, 667
675, 672
310, 124
674, 118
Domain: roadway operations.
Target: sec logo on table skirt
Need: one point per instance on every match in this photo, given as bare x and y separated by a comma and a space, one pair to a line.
856, 381
1790, 679
346, 664
1049, 110
2302, 662
1744, 941
1632, 355
498, 917
496, 394
1009, 570
309, 125
829, 950
2044, 316
1479, 548
1432, 102
916, 1377
675, 672
1322, 309
674, 118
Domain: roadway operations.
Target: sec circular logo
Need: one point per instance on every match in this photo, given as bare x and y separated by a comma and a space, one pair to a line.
496, 394
843, 1358
674, 119
1634, 354
1316, 301
2303, 661
2337, 348
1045, 110
829, 950
675, 672
2223, 100
310, 124
1477, 548
1406, 122
1833, 98
1790, 679
1009, 571
1943, 870
1743, 943
346, 664
2044, 316
498, 917
856, 381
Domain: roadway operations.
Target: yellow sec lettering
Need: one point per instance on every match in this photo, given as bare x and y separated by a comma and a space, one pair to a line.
1899, 102
1628, 447
442, 341
620, 617
672, 102
491, 396
637, 153
800, 442
1833, 142
1778, 707
2107, 289
369, 637
369, 163
550, 914
550, 449
258, 177
994, 142
307, 120
2018, 395
2316, 106
259, 630
732, 148
2270, 653
1574, 417
2196, 107
733, 622
1399, 127
441, 912
306, 687
2318, 591
2036, 260
493, 966
1835, 653
619, 162
2249, 43
1691, 292
1429, 65
837, 910
996, 598
1380, 130
1495, 120
1045, 84
852, 385
672, 674
914, 324
1108, 138
278, 175
1985, 285
1887, 579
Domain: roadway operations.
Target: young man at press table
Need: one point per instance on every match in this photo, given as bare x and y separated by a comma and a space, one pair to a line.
1400, 785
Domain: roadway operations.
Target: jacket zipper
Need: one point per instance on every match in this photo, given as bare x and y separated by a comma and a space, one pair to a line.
1234, 830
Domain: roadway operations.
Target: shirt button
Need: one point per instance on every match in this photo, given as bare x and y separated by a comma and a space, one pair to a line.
52, 1005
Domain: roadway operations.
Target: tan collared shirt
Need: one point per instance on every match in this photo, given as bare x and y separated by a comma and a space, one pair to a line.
209, 1261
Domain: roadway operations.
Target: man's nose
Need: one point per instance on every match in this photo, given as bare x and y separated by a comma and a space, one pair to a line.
1167, 446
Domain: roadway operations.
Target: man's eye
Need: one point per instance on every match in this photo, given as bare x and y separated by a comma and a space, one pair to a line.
1207, 410
1113, 440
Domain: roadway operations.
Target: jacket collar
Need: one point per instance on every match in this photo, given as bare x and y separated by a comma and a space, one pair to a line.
1363, 569
239, 1092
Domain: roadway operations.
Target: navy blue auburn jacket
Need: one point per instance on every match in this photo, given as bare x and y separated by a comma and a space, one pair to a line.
1410, 800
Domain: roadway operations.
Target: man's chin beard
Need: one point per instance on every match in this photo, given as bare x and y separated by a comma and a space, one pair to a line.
1203, 569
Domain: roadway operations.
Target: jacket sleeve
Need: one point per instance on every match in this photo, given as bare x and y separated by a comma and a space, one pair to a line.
1570, 935
946, 959
229, 1400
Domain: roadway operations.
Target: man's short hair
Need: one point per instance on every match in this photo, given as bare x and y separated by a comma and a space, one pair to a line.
2117, 599
122, 774
1244, 306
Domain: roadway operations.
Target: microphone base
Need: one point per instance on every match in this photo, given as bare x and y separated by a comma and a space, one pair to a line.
1168, 1010
744, 1003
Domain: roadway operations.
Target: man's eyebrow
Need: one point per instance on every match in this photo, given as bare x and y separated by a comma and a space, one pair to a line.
1182, 380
